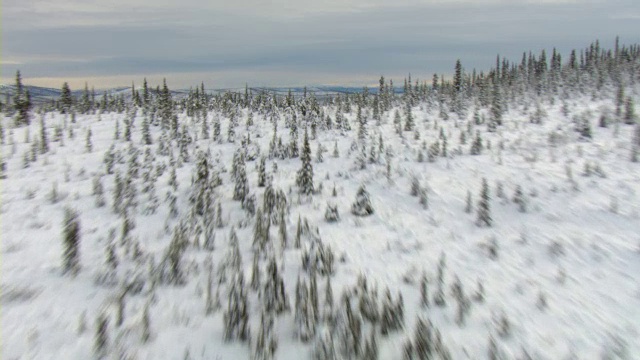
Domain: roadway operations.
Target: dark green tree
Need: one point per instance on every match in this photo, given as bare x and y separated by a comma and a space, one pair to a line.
21, 103
66, 100
484, 209
71, 242
305, 175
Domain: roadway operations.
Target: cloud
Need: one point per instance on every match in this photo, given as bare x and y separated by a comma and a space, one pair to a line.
352, 39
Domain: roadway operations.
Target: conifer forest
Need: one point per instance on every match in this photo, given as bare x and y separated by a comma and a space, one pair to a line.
491, 214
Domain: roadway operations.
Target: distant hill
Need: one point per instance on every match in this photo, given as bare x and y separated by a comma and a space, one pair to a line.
41, 95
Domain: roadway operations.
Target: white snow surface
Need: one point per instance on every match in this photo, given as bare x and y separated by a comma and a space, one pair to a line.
570, 245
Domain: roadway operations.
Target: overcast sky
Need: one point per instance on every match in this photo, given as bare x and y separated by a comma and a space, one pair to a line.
228, 43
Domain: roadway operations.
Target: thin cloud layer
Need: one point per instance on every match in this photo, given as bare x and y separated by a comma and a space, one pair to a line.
289, 43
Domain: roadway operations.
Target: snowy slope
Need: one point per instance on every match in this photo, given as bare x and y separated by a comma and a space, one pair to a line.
577, 245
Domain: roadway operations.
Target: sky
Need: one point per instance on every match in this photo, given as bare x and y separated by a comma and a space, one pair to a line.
228, 44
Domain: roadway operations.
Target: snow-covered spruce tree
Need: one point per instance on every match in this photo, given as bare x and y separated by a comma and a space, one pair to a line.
231, 130
469, 203
313, 295
44, 141
172, 271
274, 295
200, 195
217, 130
262, 172
484, 210
324, 347
304, 179
464, 305
236, 317
98, 191
71, 242
116, 135
89, 144
415, 186
173, 179
424, 291
255, 272
304, 312
165, 106
205, 125
585, 127
629, 112
423, 340
261, 231
349, 330
390, 316
146, 324
241, 189
209, 307
234, 258
183, 144
371, 346
362, 205
635, 145
368, 302
319, 152
146, 132
518, 199
619, 101
120, 299
476, 146
266, 343
438, 298
118, 193
66, 100
293, 137
496, 105
21, 103
101, 339
128, 224
434, 151
362, 125
219, 222
424, 198
408, 121
331, 213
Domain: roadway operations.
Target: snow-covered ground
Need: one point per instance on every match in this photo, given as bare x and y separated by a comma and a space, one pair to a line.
565, 273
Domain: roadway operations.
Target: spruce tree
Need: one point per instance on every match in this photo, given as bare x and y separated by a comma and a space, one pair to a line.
89, 144
362, 205
22, 103
409, 122
217, 129
619, 101
241, 189
304, 179
262, 172
66, 101
496, 106
236, 317
476, 146
518, 198
438, 298
146, 133
484, 211
44, 141
469, 203
629, 112
165, 107
293, 136
71, 242
101, 339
